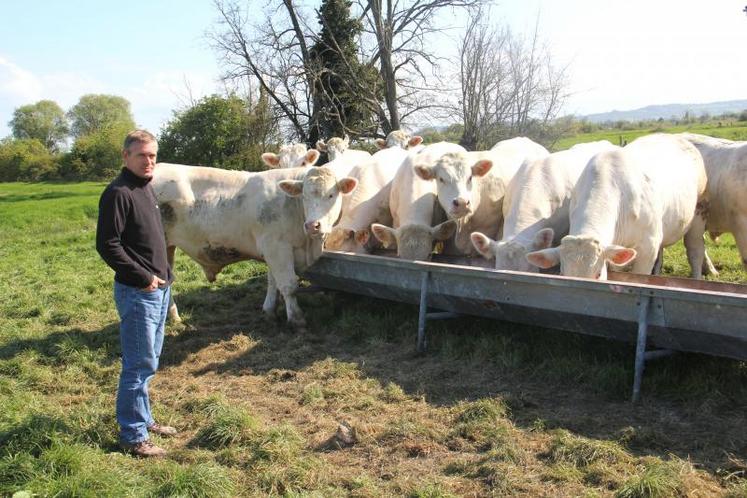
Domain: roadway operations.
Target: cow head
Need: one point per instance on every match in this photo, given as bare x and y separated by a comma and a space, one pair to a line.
322, 198
399, 138
348, 240
413, 241
455, 181
334, 147
511, 254
291, 156
582, 256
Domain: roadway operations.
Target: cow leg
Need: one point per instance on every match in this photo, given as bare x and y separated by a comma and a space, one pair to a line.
659, 262
645, 260
695, 246
708, 267
173, 311
279, 259
271, 299
740, 236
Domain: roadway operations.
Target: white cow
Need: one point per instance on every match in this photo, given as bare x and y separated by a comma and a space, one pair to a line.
726, 167
345, 162
399, 138
368, 204
629, 203
291, 156
412, 201
471, 186
334, 147
219, 217
538, 197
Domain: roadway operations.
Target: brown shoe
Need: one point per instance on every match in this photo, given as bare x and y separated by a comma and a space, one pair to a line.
144, 449
162, 430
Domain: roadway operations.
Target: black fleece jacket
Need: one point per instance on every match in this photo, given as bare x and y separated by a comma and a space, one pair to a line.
129, 234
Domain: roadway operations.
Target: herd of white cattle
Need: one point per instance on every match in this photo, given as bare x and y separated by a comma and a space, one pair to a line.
581, 208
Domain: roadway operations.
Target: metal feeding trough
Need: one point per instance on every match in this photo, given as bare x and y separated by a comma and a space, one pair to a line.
660, 314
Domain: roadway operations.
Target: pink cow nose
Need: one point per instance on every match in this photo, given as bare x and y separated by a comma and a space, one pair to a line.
460, 203
312, 227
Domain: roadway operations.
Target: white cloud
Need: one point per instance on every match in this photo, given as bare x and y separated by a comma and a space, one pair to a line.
17, 87
153, 99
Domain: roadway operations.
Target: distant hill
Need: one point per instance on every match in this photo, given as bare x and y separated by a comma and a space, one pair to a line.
669, 110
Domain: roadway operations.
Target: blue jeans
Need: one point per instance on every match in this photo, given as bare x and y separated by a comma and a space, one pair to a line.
142, 317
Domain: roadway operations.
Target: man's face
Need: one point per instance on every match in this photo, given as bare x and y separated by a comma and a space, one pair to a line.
140, 158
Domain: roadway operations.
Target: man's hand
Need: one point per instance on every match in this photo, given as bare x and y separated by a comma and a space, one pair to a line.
154, 284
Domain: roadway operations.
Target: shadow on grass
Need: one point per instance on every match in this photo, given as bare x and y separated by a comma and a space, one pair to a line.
57, 344
41, 196
694, 405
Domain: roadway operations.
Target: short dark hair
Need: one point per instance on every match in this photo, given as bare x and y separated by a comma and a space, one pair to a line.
142, 136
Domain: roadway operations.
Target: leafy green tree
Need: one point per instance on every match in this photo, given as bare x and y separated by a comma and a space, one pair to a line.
44, 121
96, 155
225, 132
340, 75
94, 112
26, 159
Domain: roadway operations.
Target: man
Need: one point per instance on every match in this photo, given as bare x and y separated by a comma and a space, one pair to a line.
130, 239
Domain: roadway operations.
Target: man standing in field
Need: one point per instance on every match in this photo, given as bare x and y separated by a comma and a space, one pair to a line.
130, 239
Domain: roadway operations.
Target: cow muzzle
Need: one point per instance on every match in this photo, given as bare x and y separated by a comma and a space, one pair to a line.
460, 207
313, 227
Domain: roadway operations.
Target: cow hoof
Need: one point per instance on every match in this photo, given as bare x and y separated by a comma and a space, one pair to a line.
299, 326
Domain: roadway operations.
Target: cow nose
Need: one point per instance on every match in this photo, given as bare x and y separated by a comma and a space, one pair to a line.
312, 226
459, 202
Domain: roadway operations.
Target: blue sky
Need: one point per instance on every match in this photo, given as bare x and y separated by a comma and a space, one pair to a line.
622, 54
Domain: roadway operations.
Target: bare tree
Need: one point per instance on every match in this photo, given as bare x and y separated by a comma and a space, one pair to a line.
402, 29
509, 86
274, 54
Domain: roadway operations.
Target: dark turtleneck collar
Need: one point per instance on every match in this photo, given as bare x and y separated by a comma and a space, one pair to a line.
131, 177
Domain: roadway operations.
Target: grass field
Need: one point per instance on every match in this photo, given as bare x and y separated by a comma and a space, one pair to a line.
493, 409
731, 131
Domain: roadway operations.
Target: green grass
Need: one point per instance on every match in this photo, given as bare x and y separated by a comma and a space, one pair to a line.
492, 408
731, 131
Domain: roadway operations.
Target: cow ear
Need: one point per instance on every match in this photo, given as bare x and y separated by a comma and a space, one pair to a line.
425, 172
293, 188
481, 168
385, 235
347, 185
444, 230
482, 243
547, 258
415, 141
321, 146
312, 155
543, 239
270, 159
362, 236
619, 255
381, 143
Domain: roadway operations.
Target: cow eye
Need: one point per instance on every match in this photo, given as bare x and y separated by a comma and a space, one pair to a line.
329, 196
440, 179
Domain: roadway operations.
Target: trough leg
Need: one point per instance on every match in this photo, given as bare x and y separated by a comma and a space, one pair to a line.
640, 350
423, 312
